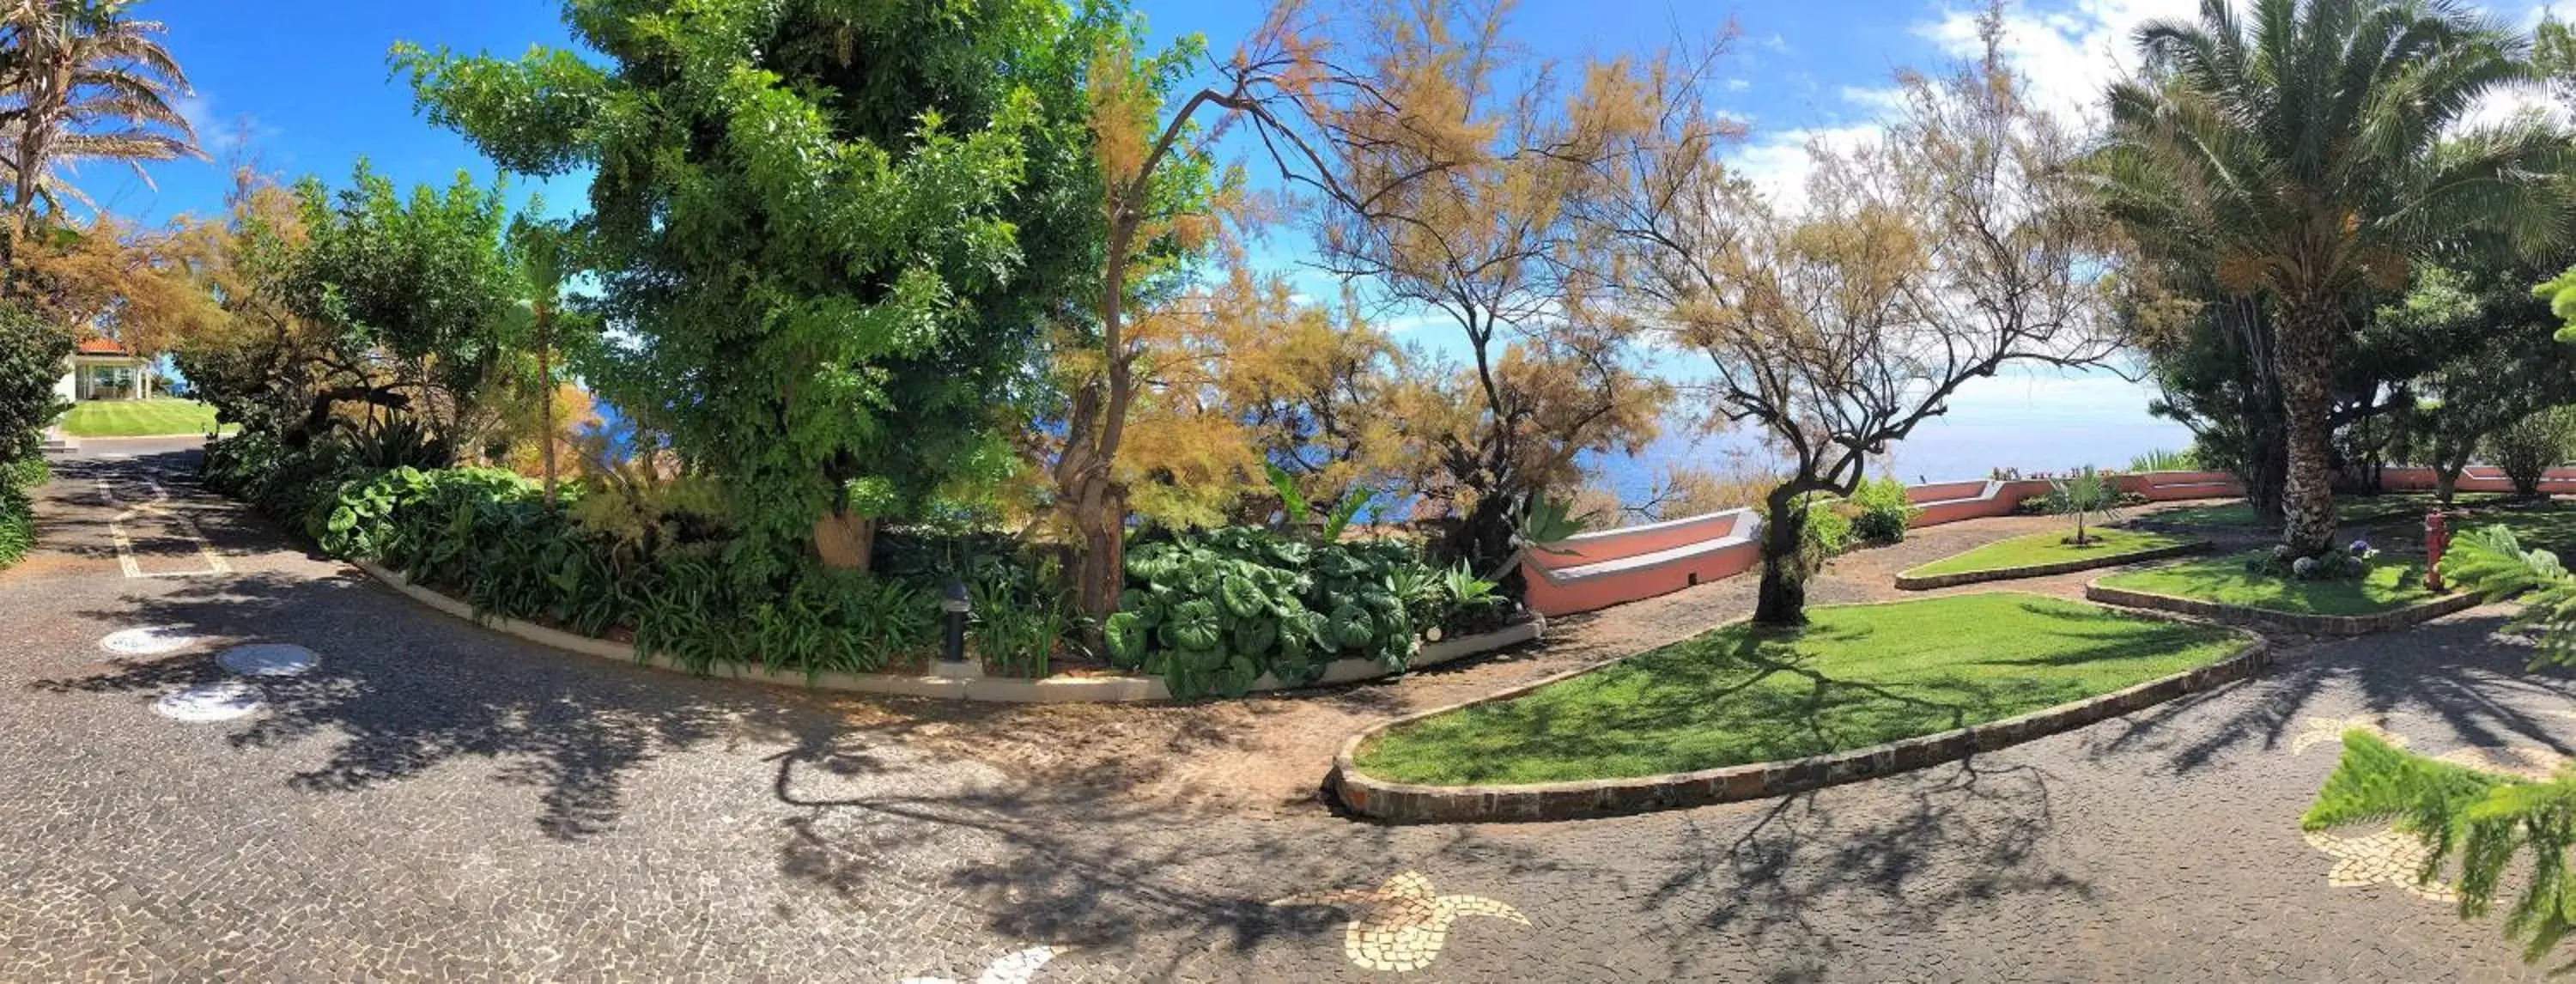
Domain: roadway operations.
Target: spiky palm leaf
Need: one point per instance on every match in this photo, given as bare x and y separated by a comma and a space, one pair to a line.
82, 81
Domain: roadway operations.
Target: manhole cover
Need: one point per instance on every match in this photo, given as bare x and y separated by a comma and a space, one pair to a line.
212, 702
267, 659
149, 641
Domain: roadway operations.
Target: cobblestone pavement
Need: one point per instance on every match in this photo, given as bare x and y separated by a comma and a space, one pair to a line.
436, 801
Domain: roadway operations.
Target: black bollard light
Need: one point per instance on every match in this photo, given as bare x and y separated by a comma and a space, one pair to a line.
954, 608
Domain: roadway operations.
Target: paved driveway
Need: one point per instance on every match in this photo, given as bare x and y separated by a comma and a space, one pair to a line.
433, 800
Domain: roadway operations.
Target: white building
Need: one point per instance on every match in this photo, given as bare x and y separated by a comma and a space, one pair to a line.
101, 369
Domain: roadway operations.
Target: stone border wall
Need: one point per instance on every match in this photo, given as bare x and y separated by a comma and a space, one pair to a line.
2243, 615
1413, 803
1926, 582
1005, 690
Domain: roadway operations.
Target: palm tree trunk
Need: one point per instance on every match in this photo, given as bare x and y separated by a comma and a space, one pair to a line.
2306, 352
546, 400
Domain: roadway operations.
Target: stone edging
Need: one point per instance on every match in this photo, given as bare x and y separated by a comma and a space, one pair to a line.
1413, 803
2244, 615
1006, 690
1930, 581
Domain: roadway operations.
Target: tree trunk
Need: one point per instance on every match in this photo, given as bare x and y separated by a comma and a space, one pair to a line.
546, 407
1783, 599
1483, 538
2306, 353
1100, 573
845, 539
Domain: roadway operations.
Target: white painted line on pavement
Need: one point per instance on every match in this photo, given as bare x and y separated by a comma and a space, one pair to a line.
215, 563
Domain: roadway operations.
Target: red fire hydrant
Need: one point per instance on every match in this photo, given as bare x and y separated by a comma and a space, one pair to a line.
2437, 535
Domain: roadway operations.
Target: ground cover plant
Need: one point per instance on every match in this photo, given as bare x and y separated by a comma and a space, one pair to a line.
2051, 547
2385, 583
1854, 676
139, 418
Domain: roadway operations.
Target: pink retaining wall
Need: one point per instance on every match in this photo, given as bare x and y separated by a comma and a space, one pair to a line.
1586, 572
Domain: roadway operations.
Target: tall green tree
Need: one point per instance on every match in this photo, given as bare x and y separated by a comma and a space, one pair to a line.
83, 80
2295, 153
414, 292
833, 232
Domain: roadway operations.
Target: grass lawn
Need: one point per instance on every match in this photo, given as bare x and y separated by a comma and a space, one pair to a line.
1858, 676
2390, 584
2546, 524
138, 418
2050, 548
2349, 509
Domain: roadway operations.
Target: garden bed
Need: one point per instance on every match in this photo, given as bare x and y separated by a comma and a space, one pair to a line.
975, 687
2391, 594
2043, 554
1741, 712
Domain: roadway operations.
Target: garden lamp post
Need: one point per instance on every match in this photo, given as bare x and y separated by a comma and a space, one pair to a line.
953, 606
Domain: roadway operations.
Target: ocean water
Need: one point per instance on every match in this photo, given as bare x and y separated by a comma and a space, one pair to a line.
2033, 423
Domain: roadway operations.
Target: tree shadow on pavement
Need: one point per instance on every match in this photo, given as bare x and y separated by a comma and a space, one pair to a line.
1963, 838
2453, 673
1078, 866
398, 692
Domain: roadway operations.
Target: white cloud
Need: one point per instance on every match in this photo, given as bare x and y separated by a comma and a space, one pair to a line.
2070, 49
1778, 162
220, 135
1738, 85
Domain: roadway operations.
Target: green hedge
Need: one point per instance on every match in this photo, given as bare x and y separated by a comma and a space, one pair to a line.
1208, 613
17, 509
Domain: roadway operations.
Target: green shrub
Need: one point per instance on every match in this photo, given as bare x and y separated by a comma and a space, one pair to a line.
17, 523
1881, 512
1213, 612
2526, 449
1829, 526
2161, 459
488, 536
31, 362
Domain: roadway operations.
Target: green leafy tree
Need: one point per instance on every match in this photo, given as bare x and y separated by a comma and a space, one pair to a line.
31, 361
832, 232
2294, 155
414, 292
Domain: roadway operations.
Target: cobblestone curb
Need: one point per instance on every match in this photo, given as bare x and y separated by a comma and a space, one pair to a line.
1000, 690
1926, 582
1411, 803
2325, 625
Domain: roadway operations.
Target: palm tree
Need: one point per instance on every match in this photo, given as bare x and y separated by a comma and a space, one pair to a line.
80, 80
2303, 156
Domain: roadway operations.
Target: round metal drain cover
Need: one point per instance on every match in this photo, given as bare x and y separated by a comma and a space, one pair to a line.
211, 702
149, 641
267, 659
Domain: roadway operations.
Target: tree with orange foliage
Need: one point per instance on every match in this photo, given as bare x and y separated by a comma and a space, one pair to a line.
1953, 247
1474, 209
1155, 170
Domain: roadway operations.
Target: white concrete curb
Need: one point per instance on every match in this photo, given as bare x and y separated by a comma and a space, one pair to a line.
1002, 690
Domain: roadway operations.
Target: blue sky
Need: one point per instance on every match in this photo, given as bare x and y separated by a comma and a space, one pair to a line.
307, 83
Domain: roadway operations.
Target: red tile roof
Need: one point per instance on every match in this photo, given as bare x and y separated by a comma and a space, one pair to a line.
101, 346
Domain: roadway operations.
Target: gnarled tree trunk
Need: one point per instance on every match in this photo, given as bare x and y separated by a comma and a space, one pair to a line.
1783, 599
